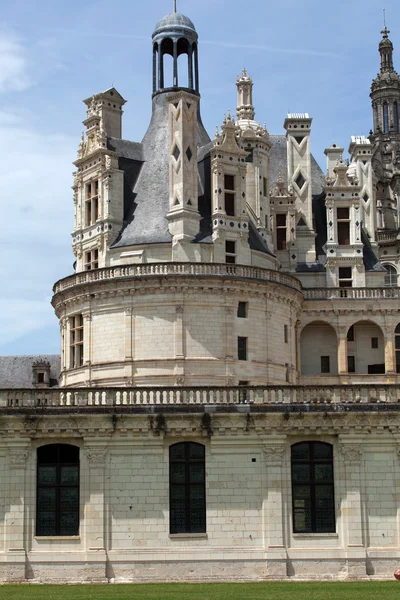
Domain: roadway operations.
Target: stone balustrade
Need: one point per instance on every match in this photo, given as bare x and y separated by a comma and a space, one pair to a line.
351, 293
388, 235
200, 396
177, 269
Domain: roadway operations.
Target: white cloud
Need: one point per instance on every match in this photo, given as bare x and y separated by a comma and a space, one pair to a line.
13, 64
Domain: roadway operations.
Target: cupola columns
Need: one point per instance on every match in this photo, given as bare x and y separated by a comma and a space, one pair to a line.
175, 35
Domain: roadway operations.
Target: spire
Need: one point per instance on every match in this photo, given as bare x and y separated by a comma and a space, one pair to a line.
386, 49
174, 6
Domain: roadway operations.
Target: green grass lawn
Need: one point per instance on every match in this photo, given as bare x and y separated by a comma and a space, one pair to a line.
389, 590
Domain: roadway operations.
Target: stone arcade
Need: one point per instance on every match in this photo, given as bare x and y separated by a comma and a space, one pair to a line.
226, 403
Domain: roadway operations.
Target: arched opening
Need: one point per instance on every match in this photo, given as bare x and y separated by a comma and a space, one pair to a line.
365, 349
183, 66
385, 117
313, 498
187, 492
396, 117
155, 67
57, 495
318, 349
166, 68
391, 276
397, 347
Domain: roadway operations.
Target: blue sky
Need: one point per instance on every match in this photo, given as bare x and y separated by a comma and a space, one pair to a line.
305, 56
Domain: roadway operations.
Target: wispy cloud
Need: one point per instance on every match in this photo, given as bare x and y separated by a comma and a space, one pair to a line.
298, 51
13, 64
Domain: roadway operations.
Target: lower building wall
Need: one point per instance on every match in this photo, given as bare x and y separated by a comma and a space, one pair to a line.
124, 526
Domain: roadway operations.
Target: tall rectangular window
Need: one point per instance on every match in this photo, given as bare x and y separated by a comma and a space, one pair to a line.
265, 187
312, 488
187, 491
343, 226
242, 348
351, 364
325, 364
286, 334
230, 251
57, 490
229, 191
242, 310
281, 232
76, 341
91, 202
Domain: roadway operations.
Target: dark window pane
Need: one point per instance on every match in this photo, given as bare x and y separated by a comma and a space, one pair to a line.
177, 452
342, 213
301, 451
196, 473
230, 204
301, 472
322, 450
197, 509
70, 474
47, 474
397, 342
323, 472
46, 499
302, 508
46, 523
69, 498
178, 473
196, 451
324, 504
230, 247
229, 182
69, 523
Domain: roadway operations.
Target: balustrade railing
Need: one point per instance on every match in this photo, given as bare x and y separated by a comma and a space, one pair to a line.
388, 235
351, 293
70, 398
176, 269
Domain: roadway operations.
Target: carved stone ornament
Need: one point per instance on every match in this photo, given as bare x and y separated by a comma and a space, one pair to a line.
274, 454
351, 453
96, 456
18, 457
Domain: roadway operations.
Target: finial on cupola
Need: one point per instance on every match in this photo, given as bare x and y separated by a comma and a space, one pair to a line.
174, 6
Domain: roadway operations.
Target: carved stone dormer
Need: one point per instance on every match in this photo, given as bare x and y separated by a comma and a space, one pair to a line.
41, 374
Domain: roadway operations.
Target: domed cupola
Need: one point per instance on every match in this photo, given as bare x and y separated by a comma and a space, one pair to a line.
175, 35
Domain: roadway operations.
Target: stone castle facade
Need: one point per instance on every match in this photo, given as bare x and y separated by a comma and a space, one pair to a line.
226, 401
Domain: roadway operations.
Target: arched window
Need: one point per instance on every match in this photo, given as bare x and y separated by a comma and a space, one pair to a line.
385, 117
396, 117
187, 506
312, 488
397, 346
57, 506
391, 276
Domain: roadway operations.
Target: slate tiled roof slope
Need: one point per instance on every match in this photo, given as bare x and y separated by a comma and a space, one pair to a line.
16, 371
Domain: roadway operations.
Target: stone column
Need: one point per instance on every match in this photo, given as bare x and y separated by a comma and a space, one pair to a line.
352, 510
273, 509
14, 516
230, 345
390, 352
179, 346
95, 511
342, 351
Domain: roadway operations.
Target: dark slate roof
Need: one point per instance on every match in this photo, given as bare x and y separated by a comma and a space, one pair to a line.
256, 242
16, 371
278, 165
147, 200
126, 149
174, 20
316, 267
371, 262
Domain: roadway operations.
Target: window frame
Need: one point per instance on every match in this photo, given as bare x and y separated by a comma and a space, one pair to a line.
230, 256
313, 485
76, 341
325, 364
242, 310
281, 231
187, 461
91, 259
58, 486
391, 275
343, 225
91, 202
242, 348
230, 194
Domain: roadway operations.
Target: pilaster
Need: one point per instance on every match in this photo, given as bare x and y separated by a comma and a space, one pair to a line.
273, 508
